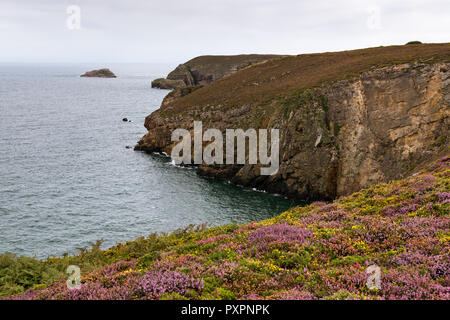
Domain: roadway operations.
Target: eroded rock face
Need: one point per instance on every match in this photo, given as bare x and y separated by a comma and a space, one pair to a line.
392, 119
336, 138
100, 73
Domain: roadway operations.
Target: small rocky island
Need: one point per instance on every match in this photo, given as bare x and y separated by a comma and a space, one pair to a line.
100, 73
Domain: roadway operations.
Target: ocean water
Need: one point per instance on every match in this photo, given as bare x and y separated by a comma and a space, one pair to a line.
66, 178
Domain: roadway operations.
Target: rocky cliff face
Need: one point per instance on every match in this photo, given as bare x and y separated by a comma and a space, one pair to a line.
391, 120
337, 137
207, 69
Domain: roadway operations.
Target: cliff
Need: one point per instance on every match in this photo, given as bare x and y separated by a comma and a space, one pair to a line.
204, 70
347, 120
321, 251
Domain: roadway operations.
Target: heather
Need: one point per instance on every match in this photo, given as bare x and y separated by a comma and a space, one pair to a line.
320, 251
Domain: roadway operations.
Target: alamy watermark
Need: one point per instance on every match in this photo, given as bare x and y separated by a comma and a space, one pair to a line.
73, 21
74, 280
213, 152
373, 21
374, 279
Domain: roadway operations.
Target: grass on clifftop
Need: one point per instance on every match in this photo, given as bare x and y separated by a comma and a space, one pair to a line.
279, 77
321, 251
223, 64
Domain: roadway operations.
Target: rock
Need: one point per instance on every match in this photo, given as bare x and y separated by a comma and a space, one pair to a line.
162, 83
337, 136
100, 73
182, 73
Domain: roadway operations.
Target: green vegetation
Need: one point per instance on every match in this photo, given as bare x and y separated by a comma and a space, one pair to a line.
321, 251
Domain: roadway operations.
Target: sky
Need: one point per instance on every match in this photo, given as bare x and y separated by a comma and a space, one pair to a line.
153, 31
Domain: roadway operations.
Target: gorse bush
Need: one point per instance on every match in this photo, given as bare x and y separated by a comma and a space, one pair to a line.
321, 251
18, 274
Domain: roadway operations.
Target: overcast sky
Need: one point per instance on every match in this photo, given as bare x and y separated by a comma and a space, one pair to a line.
175, 30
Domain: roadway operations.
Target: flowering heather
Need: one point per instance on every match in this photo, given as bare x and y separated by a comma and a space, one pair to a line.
321, 251
423, 182
280, 233
117, 267
151, 285
444, 197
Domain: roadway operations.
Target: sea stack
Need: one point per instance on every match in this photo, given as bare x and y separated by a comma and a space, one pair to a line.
100, 73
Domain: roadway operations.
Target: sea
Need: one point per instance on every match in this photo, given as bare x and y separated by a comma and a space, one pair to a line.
67, 178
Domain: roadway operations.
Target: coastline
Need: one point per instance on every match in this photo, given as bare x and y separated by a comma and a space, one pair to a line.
334, 112
277, 258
